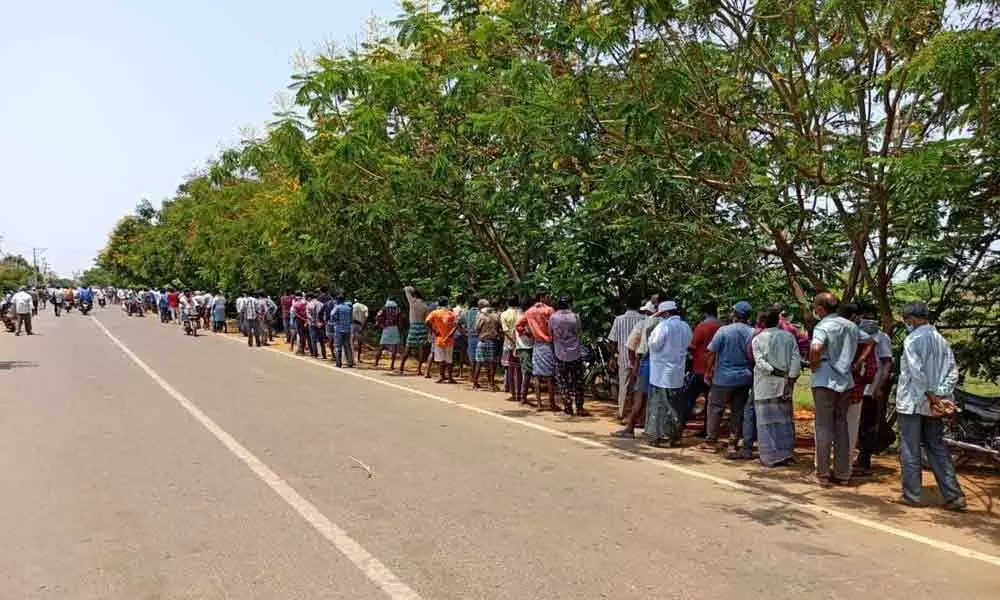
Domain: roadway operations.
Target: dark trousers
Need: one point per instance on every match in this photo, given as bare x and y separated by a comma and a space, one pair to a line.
696, 387
24, 319
569, 382
916, 431
57, 307
718, 397
254, 331
342, 342
867, 431
832, 433
302, 332
317, 335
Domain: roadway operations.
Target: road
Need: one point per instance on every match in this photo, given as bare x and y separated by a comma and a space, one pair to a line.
138, 463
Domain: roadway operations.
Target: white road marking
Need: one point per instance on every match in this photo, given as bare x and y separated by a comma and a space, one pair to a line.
377, 572
665, 463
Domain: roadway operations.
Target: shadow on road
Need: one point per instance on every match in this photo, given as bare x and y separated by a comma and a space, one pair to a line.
6, 365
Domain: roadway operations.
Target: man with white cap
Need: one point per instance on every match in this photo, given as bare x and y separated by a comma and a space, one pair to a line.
620, 330
668, 348
730, 374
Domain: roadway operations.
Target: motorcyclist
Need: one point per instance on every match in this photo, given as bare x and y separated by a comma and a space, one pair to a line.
86, 296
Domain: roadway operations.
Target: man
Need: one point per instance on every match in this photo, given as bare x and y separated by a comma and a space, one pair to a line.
777, 363
416, 337
699, 385
163, 308
442, 322
33, 292
301, 319
535, 324
509, 360
666, 408
564, 327
462, 335
251, 310
270, 317
487, 330
729, 374
620, 330
874, 403
359, 317
342, 315
173, 304
831, 357
387, 318
927, 379
24, 305
219, 313
638, 349
315, 322
467, 330
58, 297
286, 312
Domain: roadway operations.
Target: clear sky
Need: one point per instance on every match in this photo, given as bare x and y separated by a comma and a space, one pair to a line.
106, 102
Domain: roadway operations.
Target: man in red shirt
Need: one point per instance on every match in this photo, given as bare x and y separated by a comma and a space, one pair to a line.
703, 334
286, 311
173, 304
301, 319
534, 324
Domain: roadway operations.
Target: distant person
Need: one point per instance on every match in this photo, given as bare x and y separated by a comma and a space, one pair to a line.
388, 319
359, 317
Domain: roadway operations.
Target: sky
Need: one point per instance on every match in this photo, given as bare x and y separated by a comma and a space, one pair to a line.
106, 102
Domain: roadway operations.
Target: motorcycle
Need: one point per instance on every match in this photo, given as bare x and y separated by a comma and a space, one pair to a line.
133, 308
598, 377
974, 429
101, 302
7, 316
190, 324
85, 307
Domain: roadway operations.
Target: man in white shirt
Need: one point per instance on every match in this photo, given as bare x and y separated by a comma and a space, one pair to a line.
927, 378
359, 316
24, 305
666, 406
777, 363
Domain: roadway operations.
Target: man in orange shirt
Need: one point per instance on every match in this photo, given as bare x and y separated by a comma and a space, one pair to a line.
534, 324
703, 333
443, 323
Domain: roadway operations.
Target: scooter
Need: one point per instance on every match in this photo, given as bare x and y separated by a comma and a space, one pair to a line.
974, 429
6, 315
85, 307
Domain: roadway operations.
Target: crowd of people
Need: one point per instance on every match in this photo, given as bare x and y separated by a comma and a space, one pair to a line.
748, 366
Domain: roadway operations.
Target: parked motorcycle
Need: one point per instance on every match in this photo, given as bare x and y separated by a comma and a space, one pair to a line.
7, 316
974, 429
598, 377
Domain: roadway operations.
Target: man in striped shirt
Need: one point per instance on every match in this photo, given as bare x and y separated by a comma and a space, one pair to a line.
620, 330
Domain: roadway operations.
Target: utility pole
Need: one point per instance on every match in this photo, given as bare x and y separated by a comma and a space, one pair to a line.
35, 252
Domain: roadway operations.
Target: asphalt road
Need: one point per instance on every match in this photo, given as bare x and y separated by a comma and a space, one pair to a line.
173, 467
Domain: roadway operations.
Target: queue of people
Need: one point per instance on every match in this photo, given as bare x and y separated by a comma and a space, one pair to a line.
745, 368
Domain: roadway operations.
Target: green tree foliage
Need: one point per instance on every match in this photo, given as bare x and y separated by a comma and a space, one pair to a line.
718, 149
15, 271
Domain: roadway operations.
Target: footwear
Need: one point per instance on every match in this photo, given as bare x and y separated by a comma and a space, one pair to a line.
624, 434
840, 481
817, 479
740, 455
905, 502
957, 505
708, 446
568, 411
580, 412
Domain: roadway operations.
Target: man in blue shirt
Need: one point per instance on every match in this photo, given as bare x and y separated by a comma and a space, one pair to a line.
831, 357
341, 316
730, 375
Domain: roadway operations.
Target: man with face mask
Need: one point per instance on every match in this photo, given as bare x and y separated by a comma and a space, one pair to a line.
927, 378
831, 357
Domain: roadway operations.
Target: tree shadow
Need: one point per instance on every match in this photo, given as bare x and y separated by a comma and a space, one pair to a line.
6, 365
